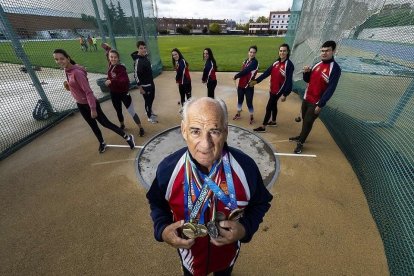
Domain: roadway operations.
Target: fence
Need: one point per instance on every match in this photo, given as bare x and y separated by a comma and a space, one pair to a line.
31, 30
371, 114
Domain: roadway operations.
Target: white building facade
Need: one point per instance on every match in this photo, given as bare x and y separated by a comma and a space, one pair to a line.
279, 21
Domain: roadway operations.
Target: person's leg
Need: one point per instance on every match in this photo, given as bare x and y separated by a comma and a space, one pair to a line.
211, 86
308, 120
128, 103
240, 99
271, 103
151, 97
274, 107
85, 111
181, 89
117, 103
188, 89
249, 102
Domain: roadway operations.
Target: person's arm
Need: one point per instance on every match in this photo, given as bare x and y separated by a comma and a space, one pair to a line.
179, 78
251, 67
83, 83
287, 85
265, 74
333, 82
207, 69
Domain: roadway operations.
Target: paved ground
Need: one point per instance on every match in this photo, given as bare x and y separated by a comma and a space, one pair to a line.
66, 210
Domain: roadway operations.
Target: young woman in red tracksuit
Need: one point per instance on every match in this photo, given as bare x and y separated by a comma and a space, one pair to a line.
182, 78
248, 73
118, 83
281, 73
77, 83
209, 72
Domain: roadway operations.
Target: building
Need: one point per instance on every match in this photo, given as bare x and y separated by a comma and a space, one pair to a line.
279, 21
258, 28
170, 25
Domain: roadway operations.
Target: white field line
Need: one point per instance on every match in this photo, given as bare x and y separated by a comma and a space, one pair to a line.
294, 154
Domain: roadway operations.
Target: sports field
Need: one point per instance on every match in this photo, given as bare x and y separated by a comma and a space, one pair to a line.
229, 51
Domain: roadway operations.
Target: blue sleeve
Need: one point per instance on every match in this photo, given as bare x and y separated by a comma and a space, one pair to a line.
180, 71
265, 74
207, 68
160, 210
287, 86
333, 82
252, 66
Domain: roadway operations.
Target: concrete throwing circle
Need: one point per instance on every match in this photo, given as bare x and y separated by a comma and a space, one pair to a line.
171, 140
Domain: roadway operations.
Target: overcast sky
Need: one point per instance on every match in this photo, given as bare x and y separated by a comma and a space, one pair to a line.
238, 10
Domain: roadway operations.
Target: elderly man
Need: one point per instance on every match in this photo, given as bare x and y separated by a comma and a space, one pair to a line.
207, 198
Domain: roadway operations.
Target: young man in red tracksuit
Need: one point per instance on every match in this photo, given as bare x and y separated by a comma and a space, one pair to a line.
322, 80
280, 72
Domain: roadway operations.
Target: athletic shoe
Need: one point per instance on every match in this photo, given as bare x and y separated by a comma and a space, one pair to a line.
122, 126
251, 120
152, 120
153, 114
102, 147
294, 139
236, 117
259, 129
130, 141
272, 124
141, 132
298, 148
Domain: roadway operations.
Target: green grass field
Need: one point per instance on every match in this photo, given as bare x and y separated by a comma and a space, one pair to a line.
229, 51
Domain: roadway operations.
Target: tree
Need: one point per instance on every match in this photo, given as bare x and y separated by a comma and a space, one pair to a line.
214, 28
205, 30
262, 19
121, 24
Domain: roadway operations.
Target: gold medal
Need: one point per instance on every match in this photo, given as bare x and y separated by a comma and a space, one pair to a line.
236, 214
201, 230
189, 230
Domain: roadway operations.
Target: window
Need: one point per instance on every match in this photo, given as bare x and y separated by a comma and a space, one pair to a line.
277, 21
283, 16
277, 27
278, 15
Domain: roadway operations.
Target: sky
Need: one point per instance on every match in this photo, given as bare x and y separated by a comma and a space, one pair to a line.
238, 10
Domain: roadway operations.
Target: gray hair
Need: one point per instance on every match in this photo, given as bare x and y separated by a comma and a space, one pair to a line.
218, 102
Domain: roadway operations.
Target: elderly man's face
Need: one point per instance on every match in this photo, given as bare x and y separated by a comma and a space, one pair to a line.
204, 132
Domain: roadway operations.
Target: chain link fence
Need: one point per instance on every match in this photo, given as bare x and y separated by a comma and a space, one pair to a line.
371, 114
32, 97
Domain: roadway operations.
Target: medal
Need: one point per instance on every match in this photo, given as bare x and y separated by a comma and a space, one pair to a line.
189, 230
201, 230
212, 229
236, 214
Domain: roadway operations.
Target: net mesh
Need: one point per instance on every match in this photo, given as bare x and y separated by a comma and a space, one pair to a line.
30, 30
371, 113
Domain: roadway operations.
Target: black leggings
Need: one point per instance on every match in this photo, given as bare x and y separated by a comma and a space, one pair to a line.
271, 108
185, 91
85, 110
211, 85
126, 99
149, 98
241, 93
309, 117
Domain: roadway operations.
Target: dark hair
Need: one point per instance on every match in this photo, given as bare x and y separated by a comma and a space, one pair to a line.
211, 57
140, 42
180, 56
287, 47
114, 52
63, 52
329, 43
254, 47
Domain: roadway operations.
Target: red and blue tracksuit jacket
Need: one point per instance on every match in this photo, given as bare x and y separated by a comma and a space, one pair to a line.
183, 72
248, 72
281, 74
322, 81
209, 73
166, 199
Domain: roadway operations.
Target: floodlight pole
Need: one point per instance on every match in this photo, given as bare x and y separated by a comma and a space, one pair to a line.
141, 21
133, 20
18, 49
109, 25
99, 21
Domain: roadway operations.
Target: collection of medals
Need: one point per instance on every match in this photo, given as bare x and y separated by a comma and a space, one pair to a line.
194, 230
197, 196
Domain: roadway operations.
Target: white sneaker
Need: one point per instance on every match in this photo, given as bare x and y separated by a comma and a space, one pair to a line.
152, 120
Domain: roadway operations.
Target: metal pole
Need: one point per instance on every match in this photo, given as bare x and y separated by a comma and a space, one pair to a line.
17, 46
109, 25
404, 100
133, 20
98, 19
141, 21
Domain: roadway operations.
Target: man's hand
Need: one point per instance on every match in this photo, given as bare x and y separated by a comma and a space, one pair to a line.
306, 69
230, 232
170, 236
141, 90
107, 82
317, 110
252, 83
66, 85
283, 98
94, 114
